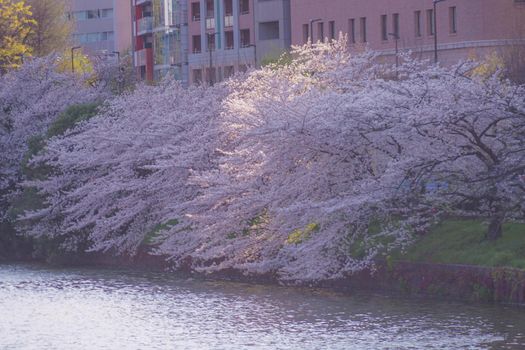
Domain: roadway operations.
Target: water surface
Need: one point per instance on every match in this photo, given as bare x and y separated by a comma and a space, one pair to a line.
46, 308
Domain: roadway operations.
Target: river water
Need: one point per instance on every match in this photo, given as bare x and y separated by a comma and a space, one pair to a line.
49, 308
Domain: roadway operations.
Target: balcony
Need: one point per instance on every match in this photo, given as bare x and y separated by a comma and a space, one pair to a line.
144, 25
228, 21
210, 23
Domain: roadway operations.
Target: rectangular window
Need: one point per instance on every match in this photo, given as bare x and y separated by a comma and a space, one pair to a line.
196, 44
351, 30
228, 71
417, 23
245, 37
320, 31
228, 7
244, 6
197, 76
452, 19
196, 11
384, 30
395, 25
269, 30
228, 35
106, 13
430, 22
306, 34
331, 30
210, 9
362, 22
93, 14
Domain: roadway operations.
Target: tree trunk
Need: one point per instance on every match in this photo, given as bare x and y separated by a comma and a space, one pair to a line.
495, 230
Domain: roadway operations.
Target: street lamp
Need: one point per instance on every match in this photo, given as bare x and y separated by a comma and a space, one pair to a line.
73, 57
254, 54
435, 2
209, 35
312, 21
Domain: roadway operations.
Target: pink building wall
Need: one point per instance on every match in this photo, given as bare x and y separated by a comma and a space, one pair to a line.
122, 25
223, 59
482, 25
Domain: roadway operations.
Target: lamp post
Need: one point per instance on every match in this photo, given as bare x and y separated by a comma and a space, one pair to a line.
209, 35
435, 2
312, 21
73, 57
254, 54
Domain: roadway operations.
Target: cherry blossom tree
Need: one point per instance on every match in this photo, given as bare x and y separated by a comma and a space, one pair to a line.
308, 170
31, 97
114, 179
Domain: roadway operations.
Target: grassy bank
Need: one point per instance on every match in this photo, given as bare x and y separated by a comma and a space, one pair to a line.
463, 242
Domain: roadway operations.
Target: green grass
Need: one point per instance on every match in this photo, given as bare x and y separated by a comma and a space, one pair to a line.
463, 242
155, 232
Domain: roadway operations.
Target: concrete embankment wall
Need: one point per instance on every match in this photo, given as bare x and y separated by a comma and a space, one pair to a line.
458, 282
444, 281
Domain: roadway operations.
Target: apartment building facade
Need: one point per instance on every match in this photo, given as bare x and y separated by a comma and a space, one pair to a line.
160, 34
221, 38
102, 26
462, 28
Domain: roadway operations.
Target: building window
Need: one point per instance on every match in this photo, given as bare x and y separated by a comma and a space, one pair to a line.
228, 71
228, 7
320, 31
269, 30
197, 76
395, 24
196, 11
244, 6
430, 22
210, 9
362, 21
351, 30
245, 37
452, 15
196, 44
417, 23
384, 30
331, 30
228, 36
106, 13
305, 33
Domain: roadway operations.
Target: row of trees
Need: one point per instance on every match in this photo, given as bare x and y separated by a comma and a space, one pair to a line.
32, 28
308, 169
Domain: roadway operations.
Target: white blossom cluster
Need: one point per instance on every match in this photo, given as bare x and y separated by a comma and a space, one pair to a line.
307, 170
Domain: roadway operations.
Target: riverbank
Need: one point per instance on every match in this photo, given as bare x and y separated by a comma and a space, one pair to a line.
405, 278
453, 261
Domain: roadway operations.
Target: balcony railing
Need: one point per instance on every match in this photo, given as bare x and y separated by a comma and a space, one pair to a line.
141, 57
210, 23
228, 21
144, 25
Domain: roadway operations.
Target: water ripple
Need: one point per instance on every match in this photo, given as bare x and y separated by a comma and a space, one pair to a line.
43, 308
